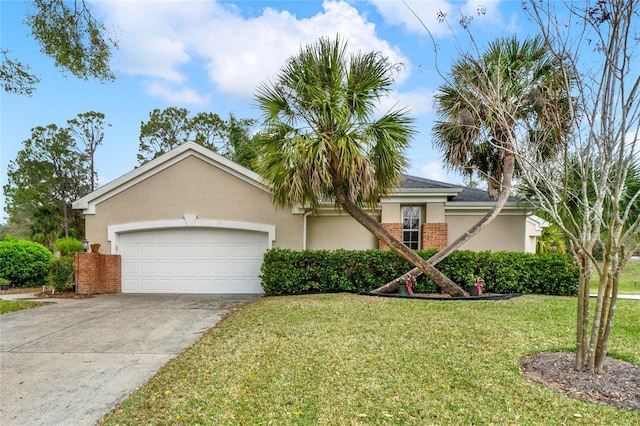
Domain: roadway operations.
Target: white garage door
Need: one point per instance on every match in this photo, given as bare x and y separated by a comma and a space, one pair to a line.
192, 260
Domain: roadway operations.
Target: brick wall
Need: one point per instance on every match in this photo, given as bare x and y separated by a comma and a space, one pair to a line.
395, 229
98, 273
434, 235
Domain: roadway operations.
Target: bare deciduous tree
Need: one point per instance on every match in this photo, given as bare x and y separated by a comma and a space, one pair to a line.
591, 192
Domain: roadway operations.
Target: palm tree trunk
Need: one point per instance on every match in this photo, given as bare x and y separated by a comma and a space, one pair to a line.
508, 170
383, 235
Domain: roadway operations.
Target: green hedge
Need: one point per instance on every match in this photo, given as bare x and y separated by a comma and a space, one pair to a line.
24, 263
68, 246
292, 272
61, 273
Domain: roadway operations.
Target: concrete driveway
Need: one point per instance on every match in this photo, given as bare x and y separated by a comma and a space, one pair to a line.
72, 361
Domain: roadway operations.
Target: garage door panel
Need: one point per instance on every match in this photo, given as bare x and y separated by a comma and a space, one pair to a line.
166, 250
192, 260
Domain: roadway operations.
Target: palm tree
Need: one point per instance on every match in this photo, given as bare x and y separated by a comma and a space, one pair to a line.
322, 141
512, 96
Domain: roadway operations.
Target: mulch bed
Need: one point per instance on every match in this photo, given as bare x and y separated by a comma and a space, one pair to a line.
37, 293
62, 295
444, 296
618, 385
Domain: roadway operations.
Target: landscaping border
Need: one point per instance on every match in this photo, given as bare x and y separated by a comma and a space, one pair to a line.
491, 297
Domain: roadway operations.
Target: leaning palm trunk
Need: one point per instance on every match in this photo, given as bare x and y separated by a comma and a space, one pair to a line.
383, 235
509, 167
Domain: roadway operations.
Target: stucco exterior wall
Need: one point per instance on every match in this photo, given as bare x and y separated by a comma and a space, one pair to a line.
192, 186
505, 233
338, 232
435, 213
391, 213
532, 234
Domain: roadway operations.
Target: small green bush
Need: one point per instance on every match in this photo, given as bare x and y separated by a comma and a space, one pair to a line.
24, 263
68, 246
61, 273
290, 272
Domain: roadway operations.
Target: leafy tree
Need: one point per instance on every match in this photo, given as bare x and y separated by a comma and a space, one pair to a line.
165, 130
243, 145
88, 131
552, 239
171, 127
15, 76
47, 174
45, 225
68, 33
591, 192
513, 91
322, 142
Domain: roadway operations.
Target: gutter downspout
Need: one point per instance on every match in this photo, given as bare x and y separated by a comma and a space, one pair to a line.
304, 228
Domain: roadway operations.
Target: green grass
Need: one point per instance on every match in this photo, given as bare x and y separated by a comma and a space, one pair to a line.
16, 305
629, 280
345, 359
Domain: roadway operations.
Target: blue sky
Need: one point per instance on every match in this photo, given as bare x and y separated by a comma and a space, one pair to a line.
209, 56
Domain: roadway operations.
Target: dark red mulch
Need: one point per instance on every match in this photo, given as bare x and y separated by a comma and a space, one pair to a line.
444, 296
618, 385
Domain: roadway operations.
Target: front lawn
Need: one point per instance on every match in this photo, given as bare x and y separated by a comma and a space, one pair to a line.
343, 359
16, 305
629, 280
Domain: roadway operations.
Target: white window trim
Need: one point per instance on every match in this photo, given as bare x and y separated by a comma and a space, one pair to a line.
402, 210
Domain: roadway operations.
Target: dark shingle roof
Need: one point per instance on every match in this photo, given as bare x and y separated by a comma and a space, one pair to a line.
466, 195
414, 182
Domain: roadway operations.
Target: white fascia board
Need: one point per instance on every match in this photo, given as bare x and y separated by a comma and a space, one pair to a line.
414, 199
89, 201
475, 208
538, 222
420, 195
330, 210
466, 205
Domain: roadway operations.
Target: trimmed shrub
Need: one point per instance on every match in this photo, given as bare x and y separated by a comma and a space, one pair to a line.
61, 273
68, 246
24, 263
291, 272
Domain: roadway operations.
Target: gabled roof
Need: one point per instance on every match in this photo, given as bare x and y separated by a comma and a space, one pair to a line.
452, 195
188, 149
415, 182
412, 189
478, 195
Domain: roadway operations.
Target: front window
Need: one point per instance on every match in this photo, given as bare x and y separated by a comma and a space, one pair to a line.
411, 227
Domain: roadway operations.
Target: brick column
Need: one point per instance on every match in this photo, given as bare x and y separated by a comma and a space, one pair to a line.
434, 235
98, 273
394, 229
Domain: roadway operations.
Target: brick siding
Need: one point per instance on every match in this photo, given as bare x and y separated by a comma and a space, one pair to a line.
434, 235
98, 273
395, 229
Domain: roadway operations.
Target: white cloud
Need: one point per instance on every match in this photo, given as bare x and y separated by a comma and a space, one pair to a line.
161, 39
433, 170
179, 96
397, 13
419, 101
416, 15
